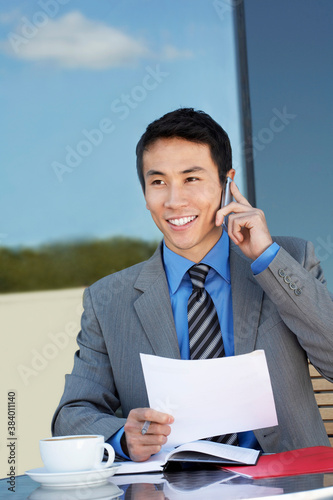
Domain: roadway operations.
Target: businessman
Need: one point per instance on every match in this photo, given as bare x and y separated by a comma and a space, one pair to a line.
259, 292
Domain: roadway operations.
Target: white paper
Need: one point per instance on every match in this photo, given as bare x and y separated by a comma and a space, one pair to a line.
229, 452
212, 396
153, 464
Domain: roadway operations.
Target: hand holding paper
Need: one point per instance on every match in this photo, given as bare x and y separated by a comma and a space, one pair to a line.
212, 396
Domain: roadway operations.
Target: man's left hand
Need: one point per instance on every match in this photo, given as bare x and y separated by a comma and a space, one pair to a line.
247, 226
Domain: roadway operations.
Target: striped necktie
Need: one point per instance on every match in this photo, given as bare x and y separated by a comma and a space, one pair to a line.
203, 324
204, 328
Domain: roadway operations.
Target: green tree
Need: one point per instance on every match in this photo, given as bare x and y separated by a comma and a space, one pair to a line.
68, 265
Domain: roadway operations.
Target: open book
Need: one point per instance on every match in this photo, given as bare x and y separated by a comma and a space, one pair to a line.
194, 452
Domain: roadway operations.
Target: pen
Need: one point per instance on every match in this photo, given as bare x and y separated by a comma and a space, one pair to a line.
145, 427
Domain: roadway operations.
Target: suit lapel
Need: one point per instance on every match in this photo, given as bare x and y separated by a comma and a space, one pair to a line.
246, 301
154, 310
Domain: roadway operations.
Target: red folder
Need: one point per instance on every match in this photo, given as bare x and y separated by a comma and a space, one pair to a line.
314, 460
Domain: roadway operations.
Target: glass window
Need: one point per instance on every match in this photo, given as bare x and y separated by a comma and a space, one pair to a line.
291, 79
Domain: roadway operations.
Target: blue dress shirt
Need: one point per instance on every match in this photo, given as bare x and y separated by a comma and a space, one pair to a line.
218, 286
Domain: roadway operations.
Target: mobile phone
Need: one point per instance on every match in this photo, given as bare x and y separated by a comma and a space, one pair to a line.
226, 199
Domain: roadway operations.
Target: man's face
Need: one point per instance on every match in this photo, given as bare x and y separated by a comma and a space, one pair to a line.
183, 193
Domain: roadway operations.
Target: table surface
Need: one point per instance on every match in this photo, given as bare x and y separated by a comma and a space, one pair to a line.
194, 484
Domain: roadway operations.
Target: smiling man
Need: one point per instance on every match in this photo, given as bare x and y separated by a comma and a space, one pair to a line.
204, 293
183, 195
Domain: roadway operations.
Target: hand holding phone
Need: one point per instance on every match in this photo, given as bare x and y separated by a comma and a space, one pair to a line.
248, 227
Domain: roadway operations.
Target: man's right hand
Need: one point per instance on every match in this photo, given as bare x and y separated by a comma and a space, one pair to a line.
141, 447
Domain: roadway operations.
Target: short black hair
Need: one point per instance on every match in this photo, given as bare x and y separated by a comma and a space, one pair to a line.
191, 125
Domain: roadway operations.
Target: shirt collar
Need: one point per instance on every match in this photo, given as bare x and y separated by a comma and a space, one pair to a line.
176, 266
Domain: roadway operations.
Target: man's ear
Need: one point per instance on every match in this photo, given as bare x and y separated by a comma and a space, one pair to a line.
231, 173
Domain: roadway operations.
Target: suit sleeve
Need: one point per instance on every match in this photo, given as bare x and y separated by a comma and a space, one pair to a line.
90, 399
298, 289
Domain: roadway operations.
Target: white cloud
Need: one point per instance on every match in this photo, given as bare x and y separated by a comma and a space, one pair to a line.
74, 41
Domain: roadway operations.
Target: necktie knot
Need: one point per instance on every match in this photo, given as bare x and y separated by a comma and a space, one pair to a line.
198, 274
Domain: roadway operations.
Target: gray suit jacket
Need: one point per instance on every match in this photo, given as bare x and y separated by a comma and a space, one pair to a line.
130, 312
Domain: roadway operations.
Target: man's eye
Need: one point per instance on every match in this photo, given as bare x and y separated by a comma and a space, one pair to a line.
191, 179
158, 182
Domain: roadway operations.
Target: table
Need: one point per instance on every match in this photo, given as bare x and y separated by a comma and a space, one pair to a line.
191, 485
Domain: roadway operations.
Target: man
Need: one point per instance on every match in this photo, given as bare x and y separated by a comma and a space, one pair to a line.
268, 295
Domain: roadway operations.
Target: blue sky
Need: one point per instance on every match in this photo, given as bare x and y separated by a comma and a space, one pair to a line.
81, 80
114, 66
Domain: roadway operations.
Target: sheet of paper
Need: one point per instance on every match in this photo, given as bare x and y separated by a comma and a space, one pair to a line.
212, 396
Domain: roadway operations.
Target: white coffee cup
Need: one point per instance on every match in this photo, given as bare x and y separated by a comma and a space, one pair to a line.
75, 453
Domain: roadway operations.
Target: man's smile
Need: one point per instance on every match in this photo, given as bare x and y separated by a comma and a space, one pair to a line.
182, 220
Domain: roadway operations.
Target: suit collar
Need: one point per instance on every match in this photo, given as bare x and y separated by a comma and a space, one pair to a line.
151, 271
153, 307
246, 301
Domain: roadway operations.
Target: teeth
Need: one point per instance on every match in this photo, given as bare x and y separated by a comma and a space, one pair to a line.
182, 221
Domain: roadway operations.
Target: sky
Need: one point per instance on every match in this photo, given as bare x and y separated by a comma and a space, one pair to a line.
80, 83
81, 80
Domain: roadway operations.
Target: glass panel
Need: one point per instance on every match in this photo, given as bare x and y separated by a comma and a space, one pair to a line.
291, 80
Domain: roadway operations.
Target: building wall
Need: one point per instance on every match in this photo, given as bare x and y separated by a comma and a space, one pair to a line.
38, 333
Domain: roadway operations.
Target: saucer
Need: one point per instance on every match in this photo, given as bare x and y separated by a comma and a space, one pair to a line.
70, 479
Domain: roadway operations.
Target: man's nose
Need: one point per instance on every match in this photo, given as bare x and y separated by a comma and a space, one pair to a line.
176, 198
